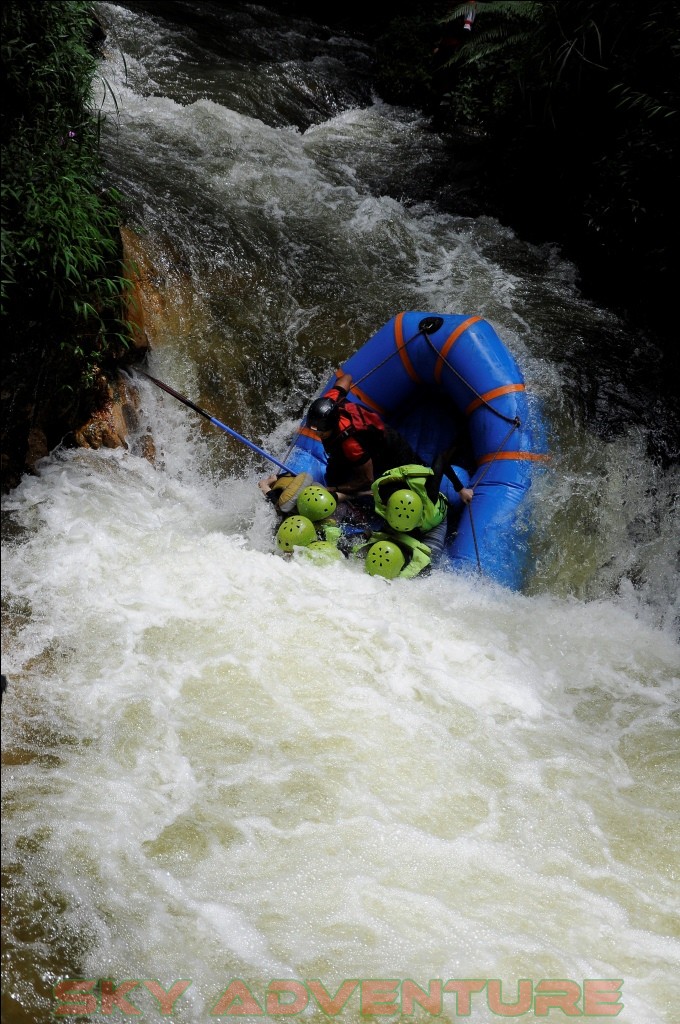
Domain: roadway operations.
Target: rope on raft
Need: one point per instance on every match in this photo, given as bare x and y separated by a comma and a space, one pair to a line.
427, 327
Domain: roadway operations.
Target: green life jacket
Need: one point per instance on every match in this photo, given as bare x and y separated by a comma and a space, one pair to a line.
330, 530
412, 477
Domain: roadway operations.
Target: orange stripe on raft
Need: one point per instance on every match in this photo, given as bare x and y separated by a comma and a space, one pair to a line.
488, 395
309, 433
511, 455
401, 348
450, 342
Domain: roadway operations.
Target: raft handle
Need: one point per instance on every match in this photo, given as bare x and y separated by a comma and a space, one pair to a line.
430, 324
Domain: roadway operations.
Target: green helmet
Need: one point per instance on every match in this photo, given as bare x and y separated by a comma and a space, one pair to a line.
325, 551
404, 510
384, 559
295, 531
316, 503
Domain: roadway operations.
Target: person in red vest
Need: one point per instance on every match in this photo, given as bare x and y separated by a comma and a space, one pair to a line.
359, 444
360, 448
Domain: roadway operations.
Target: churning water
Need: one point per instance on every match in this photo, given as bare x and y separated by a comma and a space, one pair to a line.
230, 769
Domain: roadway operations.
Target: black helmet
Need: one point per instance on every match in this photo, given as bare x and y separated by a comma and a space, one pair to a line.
323, 414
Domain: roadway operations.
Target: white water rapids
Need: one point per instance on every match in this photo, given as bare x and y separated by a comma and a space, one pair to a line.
222, 765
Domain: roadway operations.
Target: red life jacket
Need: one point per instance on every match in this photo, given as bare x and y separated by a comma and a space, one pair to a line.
370, 438
356, 422
355, 418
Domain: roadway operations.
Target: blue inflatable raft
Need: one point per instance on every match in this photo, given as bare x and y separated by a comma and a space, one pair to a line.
436, 377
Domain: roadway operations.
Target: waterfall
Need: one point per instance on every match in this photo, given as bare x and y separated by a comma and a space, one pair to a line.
225, 767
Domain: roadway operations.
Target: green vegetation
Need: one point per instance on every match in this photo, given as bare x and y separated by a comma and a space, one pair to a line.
573, 108
62, 286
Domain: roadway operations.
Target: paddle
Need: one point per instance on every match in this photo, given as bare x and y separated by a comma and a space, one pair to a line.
217, 423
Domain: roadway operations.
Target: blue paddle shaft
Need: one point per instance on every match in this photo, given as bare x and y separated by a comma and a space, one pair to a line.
218, 423
250, 444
